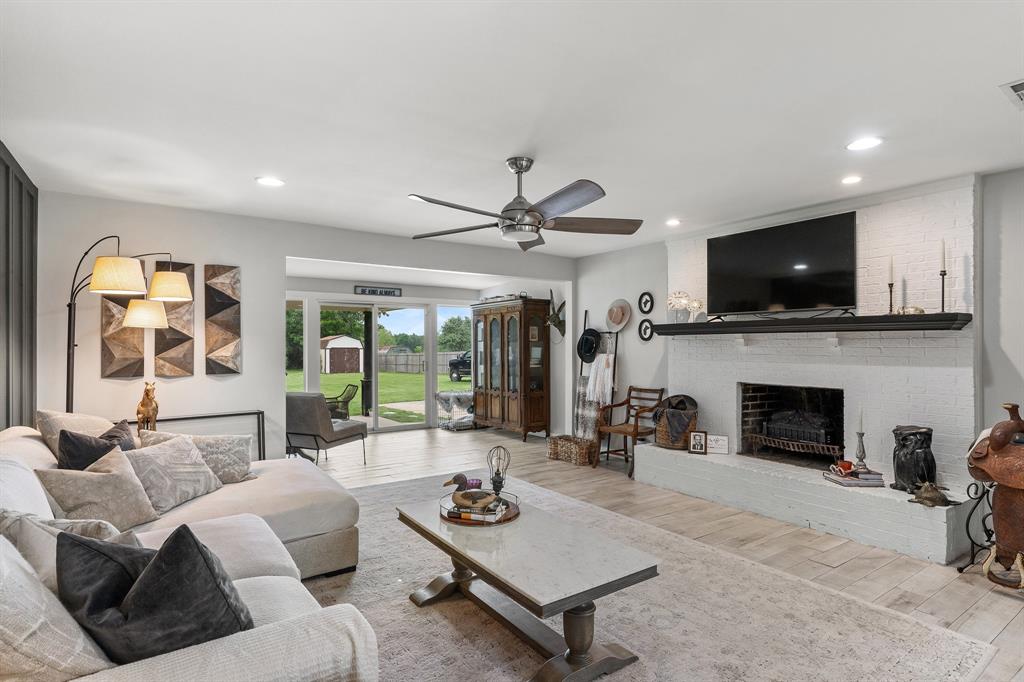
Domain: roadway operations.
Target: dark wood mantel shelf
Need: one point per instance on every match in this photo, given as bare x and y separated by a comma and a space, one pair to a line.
779, 325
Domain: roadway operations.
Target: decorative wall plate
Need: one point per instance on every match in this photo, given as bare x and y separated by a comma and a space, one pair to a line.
645, 303
645, 329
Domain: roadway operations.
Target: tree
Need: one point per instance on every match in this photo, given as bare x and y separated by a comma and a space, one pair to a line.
293, 338
455, 335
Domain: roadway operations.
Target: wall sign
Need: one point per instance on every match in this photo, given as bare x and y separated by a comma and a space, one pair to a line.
378, 291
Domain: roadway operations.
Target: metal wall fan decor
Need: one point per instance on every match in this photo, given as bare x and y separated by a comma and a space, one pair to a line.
522, 221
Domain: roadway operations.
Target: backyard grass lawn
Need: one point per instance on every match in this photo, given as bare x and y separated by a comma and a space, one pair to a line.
395, 387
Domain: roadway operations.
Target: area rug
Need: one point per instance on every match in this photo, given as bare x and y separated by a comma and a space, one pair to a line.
709, 615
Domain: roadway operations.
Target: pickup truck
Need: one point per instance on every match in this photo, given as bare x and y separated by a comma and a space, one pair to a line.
460, 366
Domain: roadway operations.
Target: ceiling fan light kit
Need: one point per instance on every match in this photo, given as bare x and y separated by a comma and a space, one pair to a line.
521, 221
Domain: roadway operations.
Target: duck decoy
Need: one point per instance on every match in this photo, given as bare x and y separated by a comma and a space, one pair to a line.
468, 494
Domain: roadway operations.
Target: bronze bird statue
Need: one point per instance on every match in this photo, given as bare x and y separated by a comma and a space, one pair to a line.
468, 494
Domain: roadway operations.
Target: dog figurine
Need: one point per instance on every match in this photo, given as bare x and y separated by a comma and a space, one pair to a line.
148, 408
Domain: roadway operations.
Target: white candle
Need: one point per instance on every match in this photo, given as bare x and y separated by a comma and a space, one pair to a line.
891, 280
860, 426
942, 255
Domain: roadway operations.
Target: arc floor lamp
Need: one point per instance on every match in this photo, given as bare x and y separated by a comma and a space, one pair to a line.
119, 275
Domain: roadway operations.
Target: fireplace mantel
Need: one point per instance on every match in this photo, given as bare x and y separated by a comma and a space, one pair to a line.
865, 323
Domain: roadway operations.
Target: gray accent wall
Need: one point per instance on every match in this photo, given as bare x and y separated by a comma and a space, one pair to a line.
18, 202
1002, 273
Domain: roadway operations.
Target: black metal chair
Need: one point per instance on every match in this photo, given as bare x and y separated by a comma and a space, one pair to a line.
338, 405
309, 426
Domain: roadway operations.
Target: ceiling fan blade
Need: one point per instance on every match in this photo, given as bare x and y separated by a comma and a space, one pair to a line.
457, 207
571, 197
594, 225
454, 231
526, 246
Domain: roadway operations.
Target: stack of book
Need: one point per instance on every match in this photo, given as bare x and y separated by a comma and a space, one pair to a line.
491, 514
856, 479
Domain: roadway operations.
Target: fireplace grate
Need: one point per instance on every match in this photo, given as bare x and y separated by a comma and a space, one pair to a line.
759, 440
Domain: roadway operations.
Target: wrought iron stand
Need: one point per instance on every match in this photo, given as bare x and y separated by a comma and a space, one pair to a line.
981, 493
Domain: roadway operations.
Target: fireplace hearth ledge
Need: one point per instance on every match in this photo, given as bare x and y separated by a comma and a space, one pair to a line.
881, 517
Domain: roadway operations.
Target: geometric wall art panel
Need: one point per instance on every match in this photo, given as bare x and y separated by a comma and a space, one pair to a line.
175, 346
223, 285
121, 348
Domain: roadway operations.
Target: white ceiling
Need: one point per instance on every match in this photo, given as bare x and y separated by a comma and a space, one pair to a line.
389, 274
711, 112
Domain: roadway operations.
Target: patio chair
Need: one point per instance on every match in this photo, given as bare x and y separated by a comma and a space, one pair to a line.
308, 426
338, 405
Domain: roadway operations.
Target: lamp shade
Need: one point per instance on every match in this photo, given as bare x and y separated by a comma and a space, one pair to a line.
117, 276
169, 286
145, 314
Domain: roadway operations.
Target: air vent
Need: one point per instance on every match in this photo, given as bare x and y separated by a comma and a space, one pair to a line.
1015, 91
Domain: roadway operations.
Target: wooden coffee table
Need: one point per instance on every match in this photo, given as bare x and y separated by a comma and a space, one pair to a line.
535, 567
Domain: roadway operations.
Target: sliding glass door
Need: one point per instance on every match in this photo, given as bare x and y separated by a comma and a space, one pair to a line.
401, 366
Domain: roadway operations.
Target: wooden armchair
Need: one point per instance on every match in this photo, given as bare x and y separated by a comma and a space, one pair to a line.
639, 403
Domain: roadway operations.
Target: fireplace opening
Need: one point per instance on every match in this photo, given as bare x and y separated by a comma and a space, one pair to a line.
800, 425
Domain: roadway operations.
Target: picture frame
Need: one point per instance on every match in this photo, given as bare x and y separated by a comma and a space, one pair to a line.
717, 444
645, 303
645, 329
698, 442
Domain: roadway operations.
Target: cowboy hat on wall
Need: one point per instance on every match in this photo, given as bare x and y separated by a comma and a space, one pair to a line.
618, 315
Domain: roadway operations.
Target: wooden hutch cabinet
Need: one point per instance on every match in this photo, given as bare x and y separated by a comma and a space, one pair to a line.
511, 365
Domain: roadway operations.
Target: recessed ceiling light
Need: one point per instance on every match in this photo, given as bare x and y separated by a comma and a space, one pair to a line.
270, 181
800, 266
672, 222
851, 179
862, 143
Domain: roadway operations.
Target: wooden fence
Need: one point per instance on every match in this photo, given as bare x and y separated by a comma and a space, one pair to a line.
413, 363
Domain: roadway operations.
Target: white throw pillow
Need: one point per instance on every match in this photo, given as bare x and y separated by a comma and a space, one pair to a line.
39, 640
50, 424
36, 539
172, 473
228, 456
20, 490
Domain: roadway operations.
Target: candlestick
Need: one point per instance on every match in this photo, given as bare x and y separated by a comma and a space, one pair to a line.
942, 297
890, 298
861, 465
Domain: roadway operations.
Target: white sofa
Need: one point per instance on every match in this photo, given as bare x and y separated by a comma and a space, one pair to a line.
310, 512
294, 637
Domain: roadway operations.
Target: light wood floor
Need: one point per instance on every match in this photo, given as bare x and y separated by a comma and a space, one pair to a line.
966, 603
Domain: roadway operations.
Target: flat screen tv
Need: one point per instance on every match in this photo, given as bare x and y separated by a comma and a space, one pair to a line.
809, 265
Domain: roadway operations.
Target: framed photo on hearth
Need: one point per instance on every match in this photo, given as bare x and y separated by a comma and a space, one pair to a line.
699, 442
718, 445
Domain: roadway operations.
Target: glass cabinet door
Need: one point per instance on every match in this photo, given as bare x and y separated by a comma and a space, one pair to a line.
537, 359
512, 352
494, 342
479, 360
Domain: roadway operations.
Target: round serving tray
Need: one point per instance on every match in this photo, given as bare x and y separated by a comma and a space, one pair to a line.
511, 514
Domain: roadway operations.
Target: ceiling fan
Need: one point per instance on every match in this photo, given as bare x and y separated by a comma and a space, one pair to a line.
520, 221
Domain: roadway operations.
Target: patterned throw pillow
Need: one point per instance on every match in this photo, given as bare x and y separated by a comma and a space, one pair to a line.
138, 603
172, 472
39, 640
228, 456
36, 539
79, 450
107, 490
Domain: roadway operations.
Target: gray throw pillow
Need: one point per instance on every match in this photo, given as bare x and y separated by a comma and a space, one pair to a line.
137, 603
51, 423
227, 456
172, 473
79, 450
36, 539
107, 490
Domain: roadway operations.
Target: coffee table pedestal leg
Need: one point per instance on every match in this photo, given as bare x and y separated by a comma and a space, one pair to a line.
443, 586
583, 660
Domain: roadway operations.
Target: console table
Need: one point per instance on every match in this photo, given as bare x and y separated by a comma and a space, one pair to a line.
261, 433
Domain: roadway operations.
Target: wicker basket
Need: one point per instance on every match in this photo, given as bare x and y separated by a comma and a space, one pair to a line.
578, 451
662, 436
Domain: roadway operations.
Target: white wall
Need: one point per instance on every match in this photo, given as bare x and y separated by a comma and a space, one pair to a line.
69, 223
925, 378
561, 349
627, 273
1002, 368
344, 289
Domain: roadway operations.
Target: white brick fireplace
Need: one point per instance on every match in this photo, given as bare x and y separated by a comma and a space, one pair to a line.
923, 378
